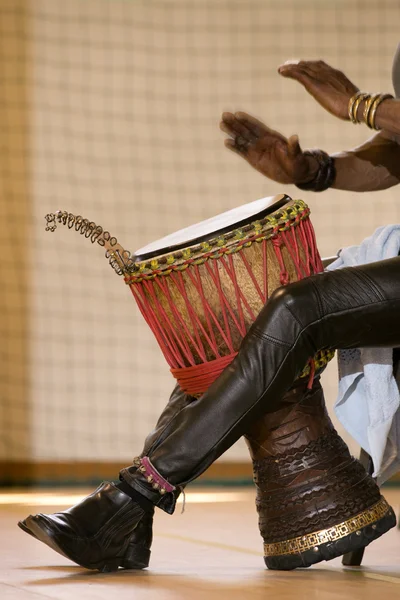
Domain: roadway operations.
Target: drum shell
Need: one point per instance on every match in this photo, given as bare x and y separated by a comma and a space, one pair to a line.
203, 284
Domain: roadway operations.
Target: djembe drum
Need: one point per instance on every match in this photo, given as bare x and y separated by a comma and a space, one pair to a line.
199, 290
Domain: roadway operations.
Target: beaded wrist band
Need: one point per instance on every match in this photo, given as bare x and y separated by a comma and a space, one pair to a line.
153, 476
325, 175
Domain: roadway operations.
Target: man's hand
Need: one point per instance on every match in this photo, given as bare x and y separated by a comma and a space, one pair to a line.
266, 150
329, 87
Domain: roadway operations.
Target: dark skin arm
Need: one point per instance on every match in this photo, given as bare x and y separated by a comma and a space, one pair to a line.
333, 90
388, 116
375, 165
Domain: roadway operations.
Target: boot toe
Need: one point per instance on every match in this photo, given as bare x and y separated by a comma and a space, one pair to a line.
43, 529
102, 532
23, 525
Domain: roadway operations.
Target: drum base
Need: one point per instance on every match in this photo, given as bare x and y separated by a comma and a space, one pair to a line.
314, 500
357, 539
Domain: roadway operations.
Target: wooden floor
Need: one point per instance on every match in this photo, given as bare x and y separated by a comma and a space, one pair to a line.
211, 551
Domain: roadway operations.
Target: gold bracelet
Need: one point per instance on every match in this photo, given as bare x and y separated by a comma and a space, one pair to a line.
356, 105
368, 107
376, 103
351, 106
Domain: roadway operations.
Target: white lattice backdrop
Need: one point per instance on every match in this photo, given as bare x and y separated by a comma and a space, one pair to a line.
110, 109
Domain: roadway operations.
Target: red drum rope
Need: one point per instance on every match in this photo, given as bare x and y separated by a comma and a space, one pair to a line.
196, 380
277, 243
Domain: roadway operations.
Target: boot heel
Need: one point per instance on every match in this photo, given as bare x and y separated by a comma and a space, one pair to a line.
136, 557
108, 567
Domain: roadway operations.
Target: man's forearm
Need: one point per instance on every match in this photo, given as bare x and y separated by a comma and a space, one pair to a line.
388, 116
375, 165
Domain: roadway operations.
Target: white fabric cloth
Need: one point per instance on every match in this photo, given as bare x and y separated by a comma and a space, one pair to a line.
368, 399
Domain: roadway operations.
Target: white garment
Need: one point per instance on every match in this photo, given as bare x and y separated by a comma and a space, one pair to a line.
369, 398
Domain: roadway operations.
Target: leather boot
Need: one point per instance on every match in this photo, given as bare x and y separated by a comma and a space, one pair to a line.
97, 532
49, 528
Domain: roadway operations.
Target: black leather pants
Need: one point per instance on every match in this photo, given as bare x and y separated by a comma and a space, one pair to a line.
177, 402
348, 308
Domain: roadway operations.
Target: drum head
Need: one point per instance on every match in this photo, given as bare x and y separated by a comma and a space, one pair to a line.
205, 230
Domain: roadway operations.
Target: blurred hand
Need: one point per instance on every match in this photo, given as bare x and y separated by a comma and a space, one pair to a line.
266, 150
329, 87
